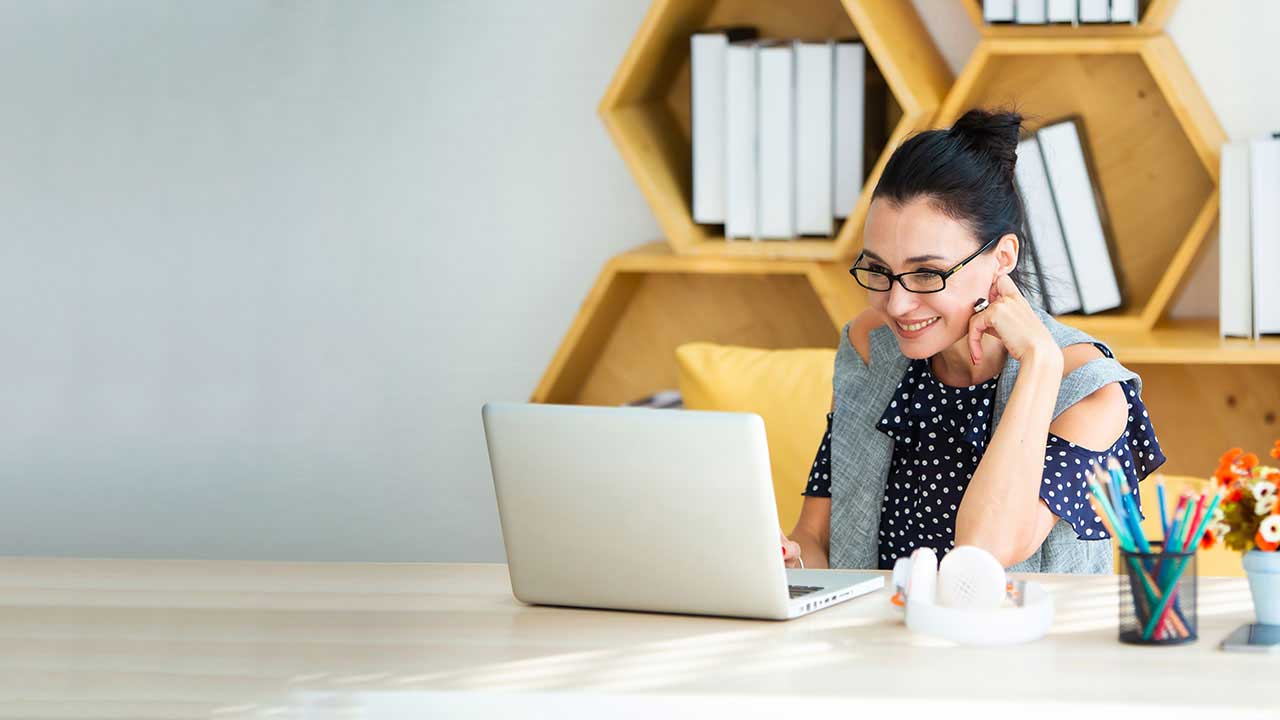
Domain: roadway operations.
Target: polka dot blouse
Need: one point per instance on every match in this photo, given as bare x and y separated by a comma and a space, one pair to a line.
940, 433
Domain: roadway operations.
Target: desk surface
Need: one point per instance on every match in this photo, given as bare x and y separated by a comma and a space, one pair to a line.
162, 638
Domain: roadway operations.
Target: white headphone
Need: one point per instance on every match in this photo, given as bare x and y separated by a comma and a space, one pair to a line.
963, 600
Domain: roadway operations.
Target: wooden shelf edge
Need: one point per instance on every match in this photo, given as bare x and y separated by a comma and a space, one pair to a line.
1190, 342
1065, 46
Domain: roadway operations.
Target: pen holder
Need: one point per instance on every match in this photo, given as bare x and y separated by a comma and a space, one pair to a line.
1157, 597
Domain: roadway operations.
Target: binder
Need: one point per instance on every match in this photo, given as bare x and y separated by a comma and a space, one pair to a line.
1030, 12
776, 127
1124, 11
997, 11
1235, 245
850, 114
707, 53
1061, 11
814, 64
1080, 216
1058, 284
1095, 11
1264, 167
740, 141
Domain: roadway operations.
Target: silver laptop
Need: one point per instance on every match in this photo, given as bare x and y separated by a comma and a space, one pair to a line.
633, 508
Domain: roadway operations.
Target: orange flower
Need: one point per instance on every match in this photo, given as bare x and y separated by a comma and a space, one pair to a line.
1229, 457
1248, 461
1263, 544
1208, 540
1234, 495
1225, 476
1275, 451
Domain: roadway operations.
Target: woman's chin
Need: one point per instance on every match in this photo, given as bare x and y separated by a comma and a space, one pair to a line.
914, 350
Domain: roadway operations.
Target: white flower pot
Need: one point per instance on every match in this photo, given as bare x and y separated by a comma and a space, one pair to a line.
1263, 571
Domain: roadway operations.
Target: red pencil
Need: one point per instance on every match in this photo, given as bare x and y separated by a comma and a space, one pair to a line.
1195, 522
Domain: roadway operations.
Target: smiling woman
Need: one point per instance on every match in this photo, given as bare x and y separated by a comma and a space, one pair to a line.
963, 414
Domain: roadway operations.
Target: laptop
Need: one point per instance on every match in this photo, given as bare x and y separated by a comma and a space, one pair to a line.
630, 508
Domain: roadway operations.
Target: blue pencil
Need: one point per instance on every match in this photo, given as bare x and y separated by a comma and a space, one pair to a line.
1164, 519
1125, 500
1113, 491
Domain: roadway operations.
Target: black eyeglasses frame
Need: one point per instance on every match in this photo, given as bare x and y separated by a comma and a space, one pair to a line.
892, 277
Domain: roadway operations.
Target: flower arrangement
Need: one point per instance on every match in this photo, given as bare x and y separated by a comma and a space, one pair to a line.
1248, 518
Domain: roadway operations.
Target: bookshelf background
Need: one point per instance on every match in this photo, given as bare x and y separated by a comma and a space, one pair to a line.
1150, 134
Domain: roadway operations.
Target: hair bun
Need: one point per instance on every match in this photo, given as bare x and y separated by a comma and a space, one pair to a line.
994, 134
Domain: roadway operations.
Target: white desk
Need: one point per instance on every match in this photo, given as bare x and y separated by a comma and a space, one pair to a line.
95, 638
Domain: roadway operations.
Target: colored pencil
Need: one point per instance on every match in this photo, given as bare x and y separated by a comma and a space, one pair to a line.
1170, 588
1195, 520
1164, 518
1149, 587
1147, 595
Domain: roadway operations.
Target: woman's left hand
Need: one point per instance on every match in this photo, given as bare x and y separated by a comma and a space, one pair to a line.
1010, 319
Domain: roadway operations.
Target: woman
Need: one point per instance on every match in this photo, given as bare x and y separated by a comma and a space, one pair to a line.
961, 414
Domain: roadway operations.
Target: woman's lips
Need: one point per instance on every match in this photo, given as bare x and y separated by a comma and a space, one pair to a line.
915, 329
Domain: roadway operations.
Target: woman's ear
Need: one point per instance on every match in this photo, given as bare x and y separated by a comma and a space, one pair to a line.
1007, 253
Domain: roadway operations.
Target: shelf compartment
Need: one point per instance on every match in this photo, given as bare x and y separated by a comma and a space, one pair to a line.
645, 303
1151, 138
646, 107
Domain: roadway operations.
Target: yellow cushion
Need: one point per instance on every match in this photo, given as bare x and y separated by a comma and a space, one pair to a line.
789, 389
1217, 560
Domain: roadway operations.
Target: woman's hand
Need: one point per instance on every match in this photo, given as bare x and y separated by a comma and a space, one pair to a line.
1010, 319
790, 551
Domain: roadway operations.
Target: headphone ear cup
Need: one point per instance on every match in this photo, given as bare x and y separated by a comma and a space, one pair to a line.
970, 577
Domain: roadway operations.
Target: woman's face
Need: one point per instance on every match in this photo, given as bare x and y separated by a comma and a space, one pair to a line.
918, 237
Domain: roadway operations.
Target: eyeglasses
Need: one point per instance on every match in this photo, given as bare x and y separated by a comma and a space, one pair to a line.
919, 281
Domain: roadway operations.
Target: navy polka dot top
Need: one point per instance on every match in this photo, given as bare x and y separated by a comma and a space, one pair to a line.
940, 433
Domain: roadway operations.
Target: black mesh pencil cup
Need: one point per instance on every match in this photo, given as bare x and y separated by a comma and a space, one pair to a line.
1157, 597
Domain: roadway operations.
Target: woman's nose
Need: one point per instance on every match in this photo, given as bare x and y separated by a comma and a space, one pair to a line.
900, 301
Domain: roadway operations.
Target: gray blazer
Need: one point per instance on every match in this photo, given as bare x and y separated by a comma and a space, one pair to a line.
861, 454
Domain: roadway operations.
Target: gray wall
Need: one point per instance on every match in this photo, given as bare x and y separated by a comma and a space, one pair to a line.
263, 261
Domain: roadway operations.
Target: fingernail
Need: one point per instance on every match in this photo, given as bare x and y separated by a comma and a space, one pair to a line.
784, 551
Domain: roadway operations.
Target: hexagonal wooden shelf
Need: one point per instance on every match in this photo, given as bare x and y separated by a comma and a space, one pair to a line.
1154, 17
646, 107
1152, 139
645, 303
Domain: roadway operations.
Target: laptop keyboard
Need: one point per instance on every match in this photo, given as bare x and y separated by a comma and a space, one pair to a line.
798, 590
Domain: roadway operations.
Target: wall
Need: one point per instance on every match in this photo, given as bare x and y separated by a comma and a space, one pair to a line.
264, 261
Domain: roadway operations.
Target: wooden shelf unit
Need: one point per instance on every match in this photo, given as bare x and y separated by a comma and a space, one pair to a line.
1151, 137
646, 107
1152, 20
1190, 342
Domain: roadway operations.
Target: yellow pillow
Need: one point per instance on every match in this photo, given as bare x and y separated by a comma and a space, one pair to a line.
789, 389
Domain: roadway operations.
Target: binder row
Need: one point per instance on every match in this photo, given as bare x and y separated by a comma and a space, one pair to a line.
1249, 238
780, 129
1073, 12
1068, 241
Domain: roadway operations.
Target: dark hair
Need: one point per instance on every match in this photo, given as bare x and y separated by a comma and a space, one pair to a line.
967, 173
